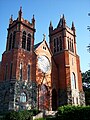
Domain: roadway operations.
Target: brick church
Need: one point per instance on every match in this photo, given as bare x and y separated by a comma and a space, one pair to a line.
39, 76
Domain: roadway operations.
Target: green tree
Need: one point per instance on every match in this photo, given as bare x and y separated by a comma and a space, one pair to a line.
86, 86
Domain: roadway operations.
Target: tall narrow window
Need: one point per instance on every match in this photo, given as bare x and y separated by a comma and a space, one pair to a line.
60, 44
28, 42
11, 70
72, 47
23, 97
57, 45
20, 71
6, 72
68, 45
28, 73
24, 40
73, 81
13, 41
10, 41
54, 45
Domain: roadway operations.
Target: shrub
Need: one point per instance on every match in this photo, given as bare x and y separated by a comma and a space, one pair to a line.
73, 113
20, 115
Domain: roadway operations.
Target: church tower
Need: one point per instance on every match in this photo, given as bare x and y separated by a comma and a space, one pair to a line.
17, 69
19, 49
66, 79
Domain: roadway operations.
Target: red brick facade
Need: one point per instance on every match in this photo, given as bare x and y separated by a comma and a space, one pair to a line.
63, 81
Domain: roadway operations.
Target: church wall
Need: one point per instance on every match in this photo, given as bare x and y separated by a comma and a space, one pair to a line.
26, 59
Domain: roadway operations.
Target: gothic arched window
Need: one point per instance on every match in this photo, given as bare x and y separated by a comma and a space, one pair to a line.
73, 81
28, 73
68, 44
23, 97
72, 47
13, 41
29, 42
60, 44
55, 45
10, 41
24, 40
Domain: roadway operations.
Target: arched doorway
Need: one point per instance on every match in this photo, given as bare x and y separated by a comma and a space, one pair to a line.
54, 99
43, 98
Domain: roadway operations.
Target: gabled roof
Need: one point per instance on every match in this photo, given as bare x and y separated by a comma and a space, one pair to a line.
38, 44
35, 46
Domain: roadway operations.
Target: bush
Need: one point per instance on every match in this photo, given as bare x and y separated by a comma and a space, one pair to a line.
19, 115
73, 113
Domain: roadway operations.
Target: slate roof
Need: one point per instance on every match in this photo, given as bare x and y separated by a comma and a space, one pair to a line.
35, 46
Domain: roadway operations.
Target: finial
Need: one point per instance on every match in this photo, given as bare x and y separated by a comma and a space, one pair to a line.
63, 15
33, 21
63, 21
11, 19
44, 36
21, 8
60, 21
50, 23
72, 24
73, 27
20, 13
33, 16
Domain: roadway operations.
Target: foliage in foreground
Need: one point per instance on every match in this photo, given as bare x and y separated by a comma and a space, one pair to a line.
64, 113
73, 113
19, 115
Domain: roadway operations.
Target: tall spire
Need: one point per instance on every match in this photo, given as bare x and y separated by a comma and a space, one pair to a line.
50, 26
20, 14
33, 21
63, 21
73, 27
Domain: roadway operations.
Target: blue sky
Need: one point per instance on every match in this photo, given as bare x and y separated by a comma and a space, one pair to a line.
46, 11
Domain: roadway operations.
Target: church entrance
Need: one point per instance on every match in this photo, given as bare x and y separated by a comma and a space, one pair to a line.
43, 98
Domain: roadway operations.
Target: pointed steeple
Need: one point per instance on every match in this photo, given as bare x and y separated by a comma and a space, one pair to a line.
74, 31
11, 19
20, 14
50, 26
33, 21
63, 21
60, 22
73, 27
